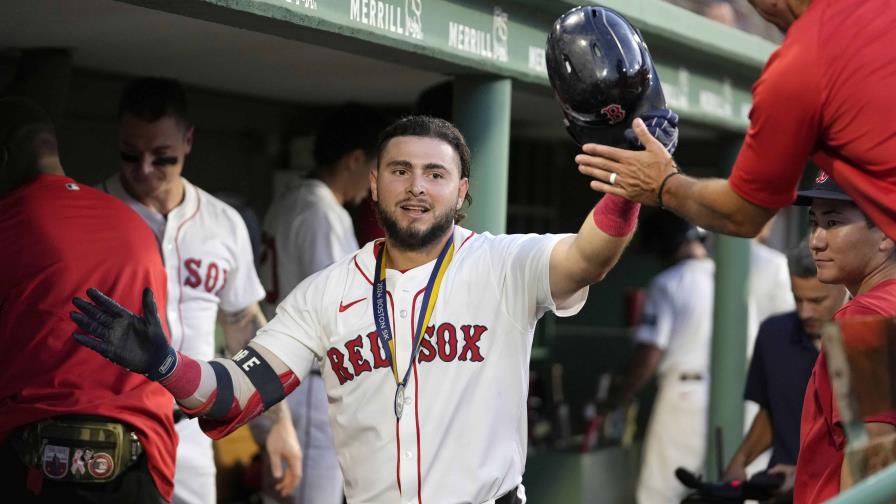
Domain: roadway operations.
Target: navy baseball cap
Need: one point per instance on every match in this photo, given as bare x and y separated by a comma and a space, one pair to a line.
823, 188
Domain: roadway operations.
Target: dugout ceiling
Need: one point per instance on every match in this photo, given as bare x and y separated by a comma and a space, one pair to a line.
383, 51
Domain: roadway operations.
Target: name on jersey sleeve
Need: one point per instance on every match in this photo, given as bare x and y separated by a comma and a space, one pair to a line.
447, 343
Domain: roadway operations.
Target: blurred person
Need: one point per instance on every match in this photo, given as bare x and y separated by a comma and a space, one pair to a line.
672, 341
405, 407
823, 95
848, 249
785, 353
310, 229
206, 251
721, 11
73, 428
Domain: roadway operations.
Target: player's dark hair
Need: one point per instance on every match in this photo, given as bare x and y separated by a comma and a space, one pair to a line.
663, 233
431, 127
348, 128
800, 261
152, 98
26, 135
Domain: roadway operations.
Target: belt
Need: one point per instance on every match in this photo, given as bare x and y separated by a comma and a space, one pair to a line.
509, 498
690, 376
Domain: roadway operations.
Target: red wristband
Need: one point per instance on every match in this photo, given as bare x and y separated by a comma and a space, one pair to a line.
616, 215
184, 380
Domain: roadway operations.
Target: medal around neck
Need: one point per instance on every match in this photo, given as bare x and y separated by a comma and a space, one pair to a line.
399, 401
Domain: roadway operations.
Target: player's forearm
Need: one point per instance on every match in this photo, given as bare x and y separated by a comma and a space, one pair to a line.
240, 327
713, 205
641, 369
757, 440
229, 392
587, 257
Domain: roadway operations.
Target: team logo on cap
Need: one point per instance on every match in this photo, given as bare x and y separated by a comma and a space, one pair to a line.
822, 177
614, 113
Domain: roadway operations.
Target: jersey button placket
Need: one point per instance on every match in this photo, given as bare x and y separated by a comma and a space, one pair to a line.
407, 426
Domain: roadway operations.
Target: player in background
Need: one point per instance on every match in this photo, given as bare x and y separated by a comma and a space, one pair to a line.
786, 350
72, 428
206, 251
822, 95
308, 229
421, 333
849, 249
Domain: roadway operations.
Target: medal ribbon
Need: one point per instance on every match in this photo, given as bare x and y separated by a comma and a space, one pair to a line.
381, 313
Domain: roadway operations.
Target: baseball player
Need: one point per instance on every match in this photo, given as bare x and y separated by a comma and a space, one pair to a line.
850, 250
422, 335
824, 94
206, 251
59, 238
673, 340
308, 229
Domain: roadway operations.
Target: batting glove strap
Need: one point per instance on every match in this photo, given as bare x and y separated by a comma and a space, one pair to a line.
168, 360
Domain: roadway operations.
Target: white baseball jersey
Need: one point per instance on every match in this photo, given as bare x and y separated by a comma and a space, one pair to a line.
677, 316
310, 230
208, 257
678, 319
462, 436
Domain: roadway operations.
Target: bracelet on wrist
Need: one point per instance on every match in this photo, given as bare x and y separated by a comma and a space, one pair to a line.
659, 193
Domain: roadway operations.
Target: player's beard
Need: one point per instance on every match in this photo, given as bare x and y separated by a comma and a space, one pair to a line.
412, 238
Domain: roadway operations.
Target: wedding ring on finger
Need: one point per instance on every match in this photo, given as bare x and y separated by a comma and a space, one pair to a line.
612, 180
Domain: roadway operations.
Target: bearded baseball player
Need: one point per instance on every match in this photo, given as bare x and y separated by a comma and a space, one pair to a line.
419, 333
206, 251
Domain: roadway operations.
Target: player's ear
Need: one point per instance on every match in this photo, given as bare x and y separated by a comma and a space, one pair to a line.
462, 192
373, 178
887, 244
188, 140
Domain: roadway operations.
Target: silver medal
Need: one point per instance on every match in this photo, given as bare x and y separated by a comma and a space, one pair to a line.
399, 401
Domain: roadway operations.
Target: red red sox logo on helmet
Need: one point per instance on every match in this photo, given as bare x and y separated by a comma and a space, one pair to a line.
822, 177
614, 113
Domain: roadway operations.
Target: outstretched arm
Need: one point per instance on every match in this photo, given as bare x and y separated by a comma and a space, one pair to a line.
640, 176
584, 259
225, 392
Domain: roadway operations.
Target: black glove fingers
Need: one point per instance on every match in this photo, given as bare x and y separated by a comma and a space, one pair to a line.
97, 345
92, 312
150, 310
89, 325
107, 304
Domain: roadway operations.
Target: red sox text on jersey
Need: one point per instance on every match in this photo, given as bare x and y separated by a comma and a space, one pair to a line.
446, 342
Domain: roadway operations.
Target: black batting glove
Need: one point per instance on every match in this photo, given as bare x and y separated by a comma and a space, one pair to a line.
136, 343
662, 124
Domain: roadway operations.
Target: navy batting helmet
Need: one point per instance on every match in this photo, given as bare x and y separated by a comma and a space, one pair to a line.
602, 74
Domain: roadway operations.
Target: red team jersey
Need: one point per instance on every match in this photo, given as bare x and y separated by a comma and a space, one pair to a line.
822, 438
827, 93
59, 238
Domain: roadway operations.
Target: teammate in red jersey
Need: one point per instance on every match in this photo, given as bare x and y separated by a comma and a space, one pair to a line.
849, 250
59, 238
824, 94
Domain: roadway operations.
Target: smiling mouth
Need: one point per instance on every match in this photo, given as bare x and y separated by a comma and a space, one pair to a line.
414, 208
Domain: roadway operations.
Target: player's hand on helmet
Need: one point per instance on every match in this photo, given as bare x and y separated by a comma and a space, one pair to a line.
662, 124
136, 343
635, 175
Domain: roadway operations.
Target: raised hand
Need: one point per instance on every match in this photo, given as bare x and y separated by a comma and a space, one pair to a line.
136, 343
662, 124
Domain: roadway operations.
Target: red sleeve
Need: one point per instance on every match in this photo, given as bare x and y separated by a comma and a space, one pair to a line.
785, 123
